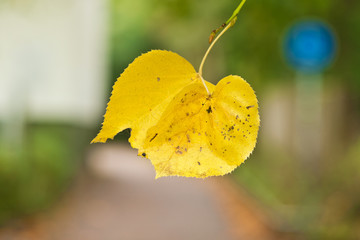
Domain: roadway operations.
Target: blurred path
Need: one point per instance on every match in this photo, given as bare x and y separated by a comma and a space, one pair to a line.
119, 199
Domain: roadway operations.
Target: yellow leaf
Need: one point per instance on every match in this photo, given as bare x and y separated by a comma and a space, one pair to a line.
143, 90
175, 123
200, 135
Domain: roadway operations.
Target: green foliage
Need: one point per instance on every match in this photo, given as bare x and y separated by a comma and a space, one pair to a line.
253, 50
33, 178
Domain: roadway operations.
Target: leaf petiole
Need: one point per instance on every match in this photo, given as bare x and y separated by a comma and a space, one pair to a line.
211, 46
236, 12
223, 28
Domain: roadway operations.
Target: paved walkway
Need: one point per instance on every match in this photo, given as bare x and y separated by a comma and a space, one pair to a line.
120, 199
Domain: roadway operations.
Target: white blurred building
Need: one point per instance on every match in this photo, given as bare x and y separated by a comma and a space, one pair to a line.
52, 61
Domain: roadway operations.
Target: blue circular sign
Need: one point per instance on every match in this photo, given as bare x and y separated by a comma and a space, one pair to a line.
310, 46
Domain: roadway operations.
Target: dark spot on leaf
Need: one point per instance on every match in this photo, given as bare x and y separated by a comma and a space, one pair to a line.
209, 110
143, 154
199, 163
200, 149
158, 79
228, 82
153, 137
169, 139
188, 137
251, 106
178, 151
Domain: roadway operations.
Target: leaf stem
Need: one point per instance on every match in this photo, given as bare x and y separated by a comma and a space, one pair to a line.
207, 53
223, 28
236, 12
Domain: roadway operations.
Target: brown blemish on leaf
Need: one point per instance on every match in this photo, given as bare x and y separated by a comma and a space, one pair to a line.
178, 151
158, 79
199, 163
251, 106
153, 137
209, 110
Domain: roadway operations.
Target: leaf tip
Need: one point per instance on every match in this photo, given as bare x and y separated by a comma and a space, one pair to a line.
98, 139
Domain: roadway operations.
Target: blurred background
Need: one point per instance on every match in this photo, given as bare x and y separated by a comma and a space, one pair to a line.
58, 61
